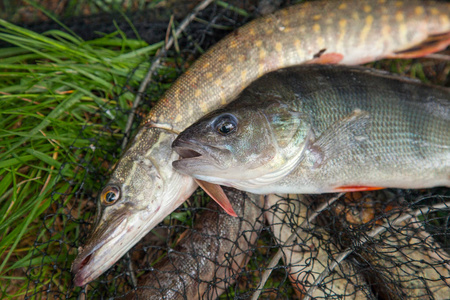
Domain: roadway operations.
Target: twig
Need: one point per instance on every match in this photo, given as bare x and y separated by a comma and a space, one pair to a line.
378, 230
156, 62
274, 261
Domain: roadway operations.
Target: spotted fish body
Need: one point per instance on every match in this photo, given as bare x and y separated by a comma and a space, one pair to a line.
403, 262
201, 259
144, 188
345, 32
311, 252
322, 129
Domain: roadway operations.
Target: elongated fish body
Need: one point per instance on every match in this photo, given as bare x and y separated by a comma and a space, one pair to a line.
200, 266
410, 263
144, 188
346, 32
403, 262
319, 129
412, 268
311, 253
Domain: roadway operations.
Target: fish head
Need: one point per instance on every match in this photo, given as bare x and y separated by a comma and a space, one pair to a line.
245, 140
211, 145
141, 192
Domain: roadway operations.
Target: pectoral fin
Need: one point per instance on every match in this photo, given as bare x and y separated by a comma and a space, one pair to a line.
346, 134
216, 192
345, 138
341, 139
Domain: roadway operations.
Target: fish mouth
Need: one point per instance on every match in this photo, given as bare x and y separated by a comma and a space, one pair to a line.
113, 238
187, 149
196, 159
81, 278
76, 267
192, 153
95, 255
187, 153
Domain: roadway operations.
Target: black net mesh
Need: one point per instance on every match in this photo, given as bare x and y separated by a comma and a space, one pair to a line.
375, 245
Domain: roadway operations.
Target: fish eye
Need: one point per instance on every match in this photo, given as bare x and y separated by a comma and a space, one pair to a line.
225, 124
110, 195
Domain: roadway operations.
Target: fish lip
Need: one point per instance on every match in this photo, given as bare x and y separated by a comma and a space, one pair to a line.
191, 150
187, 152
81, 264
193, 153
100, 254
184, 148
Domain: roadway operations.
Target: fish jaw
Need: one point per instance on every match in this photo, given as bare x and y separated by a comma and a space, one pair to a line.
257, 153
197, 157
150, 192
96, 256
114, 237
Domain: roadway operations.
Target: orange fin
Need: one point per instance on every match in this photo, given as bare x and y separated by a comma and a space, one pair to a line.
216, 192
357, 188
432, 44
326, 59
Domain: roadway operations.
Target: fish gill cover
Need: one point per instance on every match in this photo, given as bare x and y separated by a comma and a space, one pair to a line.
63, 129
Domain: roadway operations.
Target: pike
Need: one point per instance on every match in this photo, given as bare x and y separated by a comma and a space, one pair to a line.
200, 266
410, 263
323, 129
144, 188
404, 262
312, 253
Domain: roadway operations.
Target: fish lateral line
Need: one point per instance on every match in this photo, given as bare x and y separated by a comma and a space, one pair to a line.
216, 192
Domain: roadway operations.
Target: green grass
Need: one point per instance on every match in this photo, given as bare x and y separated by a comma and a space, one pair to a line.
61, 99
64, 103
63, 109
33, 11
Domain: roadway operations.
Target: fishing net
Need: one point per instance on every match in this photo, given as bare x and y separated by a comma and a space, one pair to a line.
390, 244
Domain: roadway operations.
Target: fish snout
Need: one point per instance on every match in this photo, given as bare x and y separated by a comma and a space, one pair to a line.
196, 158
186, 148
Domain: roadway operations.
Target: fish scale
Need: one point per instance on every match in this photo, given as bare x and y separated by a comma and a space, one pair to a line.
356, 128
201, 258
275, 41
391, 136
144, 186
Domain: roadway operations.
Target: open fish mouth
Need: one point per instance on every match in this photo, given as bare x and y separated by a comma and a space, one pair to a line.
192, 155
95, 257
80, 268
76, 267
187, 153
188, 149
198, 159
113, 239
